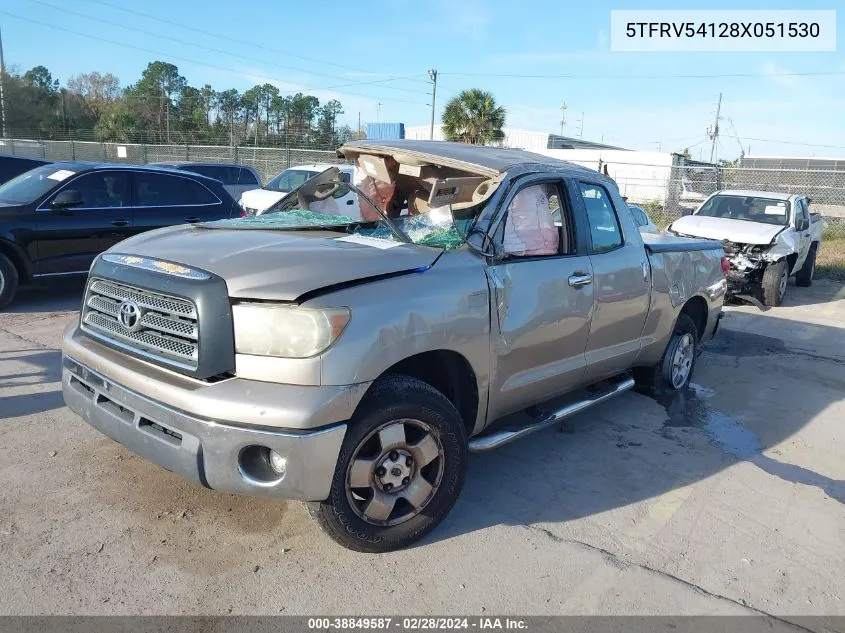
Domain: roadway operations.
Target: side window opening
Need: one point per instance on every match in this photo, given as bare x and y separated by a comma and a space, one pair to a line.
164, 190
605, 231
102, 190
536, 223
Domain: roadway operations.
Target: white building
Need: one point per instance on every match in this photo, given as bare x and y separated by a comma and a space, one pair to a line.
519, 139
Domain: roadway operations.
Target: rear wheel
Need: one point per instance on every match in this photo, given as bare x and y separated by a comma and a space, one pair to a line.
400, 469
773, 288
674, 371
8, 281
805, 275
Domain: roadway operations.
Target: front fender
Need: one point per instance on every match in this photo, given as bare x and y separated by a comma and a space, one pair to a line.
444, 308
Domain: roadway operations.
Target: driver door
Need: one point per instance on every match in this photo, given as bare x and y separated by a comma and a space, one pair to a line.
802, 232
67, 240
542, 299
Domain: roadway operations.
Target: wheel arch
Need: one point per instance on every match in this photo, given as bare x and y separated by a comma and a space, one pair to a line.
18, 259
447, 371
696, 308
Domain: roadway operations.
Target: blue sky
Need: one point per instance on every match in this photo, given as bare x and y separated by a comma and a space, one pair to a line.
378, 51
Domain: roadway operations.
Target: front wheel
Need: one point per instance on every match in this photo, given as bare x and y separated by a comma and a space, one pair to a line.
400, 470
773, 288
8, 281
805, 275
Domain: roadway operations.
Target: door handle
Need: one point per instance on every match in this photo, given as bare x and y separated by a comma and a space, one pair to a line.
120, 223
192, 219
576, 280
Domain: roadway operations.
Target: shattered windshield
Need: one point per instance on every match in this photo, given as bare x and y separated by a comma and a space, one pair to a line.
748, 208
415, 223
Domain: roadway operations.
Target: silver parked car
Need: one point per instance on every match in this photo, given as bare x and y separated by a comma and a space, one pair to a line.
353, 363
641, 219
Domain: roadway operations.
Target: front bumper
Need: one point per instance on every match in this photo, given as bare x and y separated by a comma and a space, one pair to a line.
208, 452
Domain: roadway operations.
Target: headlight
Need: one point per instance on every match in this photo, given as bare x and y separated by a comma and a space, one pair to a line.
267, 329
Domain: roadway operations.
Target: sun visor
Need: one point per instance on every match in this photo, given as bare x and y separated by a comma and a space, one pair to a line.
454, 190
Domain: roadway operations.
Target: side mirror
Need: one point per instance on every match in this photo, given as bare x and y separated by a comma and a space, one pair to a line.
802, 224
66, 199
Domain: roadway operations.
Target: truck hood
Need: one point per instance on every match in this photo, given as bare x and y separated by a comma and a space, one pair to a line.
260, 199
739, 231
277, 265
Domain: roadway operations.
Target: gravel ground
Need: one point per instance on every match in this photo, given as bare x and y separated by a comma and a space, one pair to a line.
729, 499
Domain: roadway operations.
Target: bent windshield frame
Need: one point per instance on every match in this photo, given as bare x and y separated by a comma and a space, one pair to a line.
279, 207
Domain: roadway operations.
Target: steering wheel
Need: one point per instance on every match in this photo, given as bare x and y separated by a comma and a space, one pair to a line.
326, 191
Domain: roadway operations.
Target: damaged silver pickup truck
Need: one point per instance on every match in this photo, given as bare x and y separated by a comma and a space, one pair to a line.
353, 363
766, 236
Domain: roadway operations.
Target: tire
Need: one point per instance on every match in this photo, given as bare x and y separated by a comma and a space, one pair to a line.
804, 278
773, 288
675, 369
430, 424
8, 281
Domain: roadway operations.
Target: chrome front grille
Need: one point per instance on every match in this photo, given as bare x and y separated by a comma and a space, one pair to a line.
159, 327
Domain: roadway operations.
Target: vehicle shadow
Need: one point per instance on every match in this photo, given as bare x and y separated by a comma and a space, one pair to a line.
55, 296
41, 367
636, 448
19, 405
822, 291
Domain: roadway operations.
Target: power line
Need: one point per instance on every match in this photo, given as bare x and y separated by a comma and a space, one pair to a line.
216, 50
769, 140
671, 76
197, 62
237, 41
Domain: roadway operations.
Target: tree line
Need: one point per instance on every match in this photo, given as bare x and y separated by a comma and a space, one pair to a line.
162, 108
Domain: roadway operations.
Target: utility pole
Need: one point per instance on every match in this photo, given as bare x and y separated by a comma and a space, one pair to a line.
64, 113
714, 135
359, 126
432, 73
581, 127
378, 111
562, 116
2, 98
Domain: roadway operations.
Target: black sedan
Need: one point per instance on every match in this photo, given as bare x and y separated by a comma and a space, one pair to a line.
55, 219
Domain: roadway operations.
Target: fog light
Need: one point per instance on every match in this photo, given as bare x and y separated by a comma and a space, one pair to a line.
278, 463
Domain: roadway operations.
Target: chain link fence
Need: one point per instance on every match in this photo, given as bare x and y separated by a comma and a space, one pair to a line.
267, 161
665, 192
668, 192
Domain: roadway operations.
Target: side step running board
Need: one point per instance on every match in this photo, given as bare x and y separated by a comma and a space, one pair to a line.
506, 436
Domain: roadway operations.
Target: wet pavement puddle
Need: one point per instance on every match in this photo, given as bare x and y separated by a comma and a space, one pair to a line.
688, 409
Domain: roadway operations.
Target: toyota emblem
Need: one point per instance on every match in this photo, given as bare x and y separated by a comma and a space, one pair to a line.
129, 315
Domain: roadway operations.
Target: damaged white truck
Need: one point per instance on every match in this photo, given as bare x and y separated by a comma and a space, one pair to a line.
767, 237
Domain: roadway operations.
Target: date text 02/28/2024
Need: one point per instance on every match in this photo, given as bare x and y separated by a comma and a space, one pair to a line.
416, 623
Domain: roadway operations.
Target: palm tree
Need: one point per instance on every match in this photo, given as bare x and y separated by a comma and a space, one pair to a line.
473, 117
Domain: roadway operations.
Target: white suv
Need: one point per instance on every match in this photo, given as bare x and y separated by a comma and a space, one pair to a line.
257, 201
